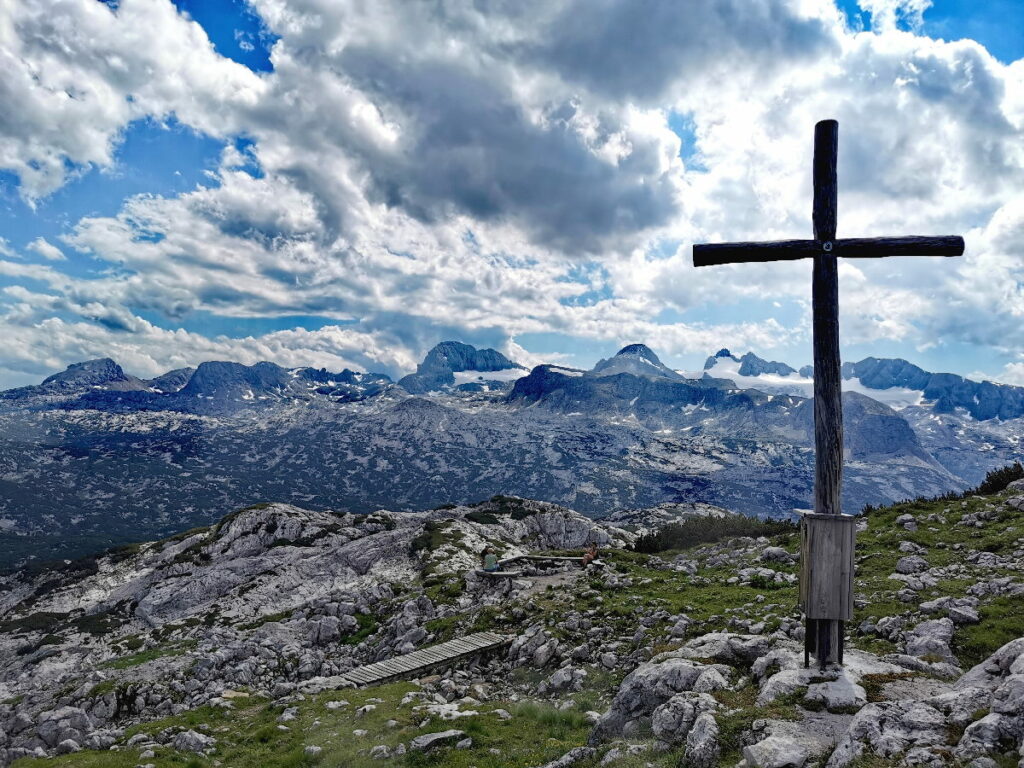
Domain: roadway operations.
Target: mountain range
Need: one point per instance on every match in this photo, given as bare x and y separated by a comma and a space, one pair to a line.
94, 457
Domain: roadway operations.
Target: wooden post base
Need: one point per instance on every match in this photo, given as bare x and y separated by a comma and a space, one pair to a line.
824, 639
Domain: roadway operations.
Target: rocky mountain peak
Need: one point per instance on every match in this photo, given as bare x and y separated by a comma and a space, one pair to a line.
225, 379
636, 359
752, 365
438, 369
639, 350
89, 373
456, 356
713, 360
172, 381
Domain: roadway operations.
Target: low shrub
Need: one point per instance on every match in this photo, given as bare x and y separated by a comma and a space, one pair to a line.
704, 530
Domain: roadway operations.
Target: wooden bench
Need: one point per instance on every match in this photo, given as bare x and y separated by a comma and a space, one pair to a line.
540, 559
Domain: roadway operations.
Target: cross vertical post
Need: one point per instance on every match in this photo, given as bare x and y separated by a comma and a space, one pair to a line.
827, 536
828, 401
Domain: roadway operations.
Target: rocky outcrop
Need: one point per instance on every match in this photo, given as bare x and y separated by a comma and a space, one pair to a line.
274, 599
985, 707
430, 741
77, 378
982, 400
438, 369
665, 691
635, 359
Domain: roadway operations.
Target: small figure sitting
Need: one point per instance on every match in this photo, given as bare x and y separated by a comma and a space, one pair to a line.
489, 560
590, 555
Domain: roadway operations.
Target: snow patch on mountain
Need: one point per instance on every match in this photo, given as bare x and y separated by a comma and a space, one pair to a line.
794, 383
503, 376
437, 372
636, 359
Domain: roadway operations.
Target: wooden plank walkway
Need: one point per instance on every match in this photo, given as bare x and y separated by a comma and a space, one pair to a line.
424, 658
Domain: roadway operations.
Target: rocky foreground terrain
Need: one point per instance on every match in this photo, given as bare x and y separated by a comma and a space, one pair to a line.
221, 646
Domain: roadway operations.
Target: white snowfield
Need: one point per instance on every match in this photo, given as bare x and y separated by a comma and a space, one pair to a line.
505, 375
896, 398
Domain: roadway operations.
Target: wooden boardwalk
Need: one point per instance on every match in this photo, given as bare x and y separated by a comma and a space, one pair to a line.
424, 659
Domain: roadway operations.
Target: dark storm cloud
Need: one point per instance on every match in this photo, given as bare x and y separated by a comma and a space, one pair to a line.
469, 147
637, 49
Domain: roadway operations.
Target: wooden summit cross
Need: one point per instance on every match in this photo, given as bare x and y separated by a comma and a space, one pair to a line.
827, 536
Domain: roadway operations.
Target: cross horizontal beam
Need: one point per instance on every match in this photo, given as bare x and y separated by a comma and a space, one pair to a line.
850, 247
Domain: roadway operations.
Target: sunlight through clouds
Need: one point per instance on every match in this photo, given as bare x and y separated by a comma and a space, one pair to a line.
416, 173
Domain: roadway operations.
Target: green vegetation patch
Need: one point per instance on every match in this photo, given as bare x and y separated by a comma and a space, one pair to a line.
97, 623
705, 530
248, 736
367, 626
261, 620
739, 713
136, 659
483, 518
435, 534
42, 621
1002, 620
510, 506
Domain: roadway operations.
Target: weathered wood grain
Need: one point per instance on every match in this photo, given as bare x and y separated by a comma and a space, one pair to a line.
828, 403
910, 245
827, 544
425, 659
828, 397
826, 187
826, 579
712, 254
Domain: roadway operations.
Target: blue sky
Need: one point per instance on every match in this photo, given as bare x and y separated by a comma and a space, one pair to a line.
996, 24
255, 185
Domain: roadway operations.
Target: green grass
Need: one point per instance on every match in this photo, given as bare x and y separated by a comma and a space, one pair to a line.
436, 533
367, 626
1002, 620
136, 659
248, 737
42, 621
703, 530
739, 712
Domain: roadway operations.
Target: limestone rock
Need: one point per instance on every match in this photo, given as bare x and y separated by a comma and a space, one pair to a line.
429, 741
911, 564
192, 741
889, 729
702, 747
645, 689
775, 752
842, 692
68, 746
672, 721
571, 757
932, 638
